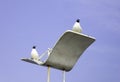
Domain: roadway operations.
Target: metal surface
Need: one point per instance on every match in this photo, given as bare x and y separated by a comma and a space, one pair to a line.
64, 77
48, 74
67, 51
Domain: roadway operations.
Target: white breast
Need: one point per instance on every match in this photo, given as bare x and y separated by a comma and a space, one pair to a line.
34, 54
77, 27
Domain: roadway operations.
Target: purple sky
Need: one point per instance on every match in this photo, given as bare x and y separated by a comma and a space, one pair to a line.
24, 23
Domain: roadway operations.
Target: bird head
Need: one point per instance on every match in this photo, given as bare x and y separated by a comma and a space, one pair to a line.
34, 47
78, 20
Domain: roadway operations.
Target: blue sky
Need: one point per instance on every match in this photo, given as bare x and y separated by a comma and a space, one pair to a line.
24, 23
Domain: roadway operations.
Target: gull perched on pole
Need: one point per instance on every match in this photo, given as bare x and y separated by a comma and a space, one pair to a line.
34, 54
77, 27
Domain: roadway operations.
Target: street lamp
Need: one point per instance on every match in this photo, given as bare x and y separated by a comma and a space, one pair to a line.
65, 53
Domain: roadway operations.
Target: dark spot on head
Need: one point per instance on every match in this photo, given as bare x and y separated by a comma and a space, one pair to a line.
34, 47
78, 20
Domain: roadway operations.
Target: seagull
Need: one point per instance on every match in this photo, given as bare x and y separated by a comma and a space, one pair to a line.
34, 54
77, 27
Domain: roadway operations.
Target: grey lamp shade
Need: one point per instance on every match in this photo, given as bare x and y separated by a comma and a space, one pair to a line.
66, 51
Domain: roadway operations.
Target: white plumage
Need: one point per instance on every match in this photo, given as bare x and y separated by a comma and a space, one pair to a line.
34, 54
77, 27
